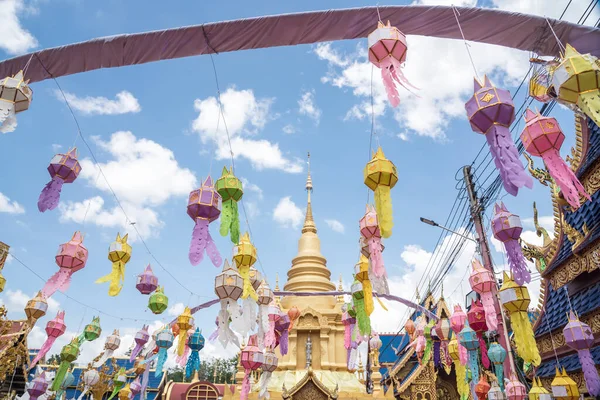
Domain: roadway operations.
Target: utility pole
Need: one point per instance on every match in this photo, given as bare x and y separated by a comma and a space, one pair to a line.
509, 366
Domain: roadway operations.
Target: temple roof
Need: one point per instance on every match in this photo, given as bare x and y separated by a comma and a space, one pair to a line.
570, 363
557, 306
389, 342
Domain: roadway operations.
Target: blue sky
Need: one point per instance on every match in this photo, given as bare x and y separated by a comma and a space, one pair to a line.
153, 128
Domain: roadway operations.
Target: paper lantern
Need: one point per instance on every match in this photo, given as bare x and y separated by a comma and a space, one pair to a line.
361, 273
491, 111
375, 345
563, 387
542, 137
230, 189
15, 97
537, 391
36, 308
380, 176
255, 278
496, 393
294, 314
68, 380
55, 328
468, 338
369, 229
420, 343
38, 386
409, 327
364, 246
147, 282
92, 331
457, 323
461, 379
483, 282
540, 85
515, 390
282, 327
507, 228
265, 297
63, 168
125, 393
428, 342
185, 322
119, 253
141, 338
158, 301
229, 286
579, 336
68, 354
269, 365
482, 388
196, 343
349, 324
251, 359
164, 341
136, 387
577, 81
443, 330
476, 318
387, 51
244, 257
274, 313
515, 300
204, 206
90, 378
497, 355
119, 381
111, 344
3, 256
71, 258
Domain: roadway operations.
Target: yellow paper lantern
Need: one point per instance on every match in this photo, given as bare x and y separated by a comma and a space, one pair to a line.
563, 387
381, 176
244, 256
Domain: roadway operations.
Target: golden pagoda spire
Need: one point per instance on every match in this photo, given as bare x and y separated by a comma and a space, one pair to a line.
309, 270
340, 298
309, 222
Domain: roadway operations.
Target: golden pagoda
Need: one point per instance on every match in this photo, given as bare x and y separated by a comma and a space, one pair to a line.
326, 374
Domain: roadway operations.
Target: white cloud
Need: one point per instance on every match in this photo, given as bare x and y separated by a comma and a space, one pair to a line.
11, 207
56, 147
335, 225
245, 116
176, 309
289, 129
440, 99
14, 39
252, 193
92, 210
124, 103
142, 173
251, 187
307, 106
287, 213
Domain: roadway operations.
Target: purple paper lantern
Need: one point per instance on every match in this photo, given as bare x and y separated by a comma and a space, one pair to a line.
507, 228
147, 282
38, 386
63, 168
204, 206
490, 112
580, 337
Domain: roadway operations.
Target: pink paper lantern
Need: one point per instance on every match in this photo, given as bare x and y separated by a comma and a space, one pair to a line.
369, 229
542, 137
457, 322
71, 257
38, 386
251, 359
204, 206
147, 282
515, 390
507, 228
55, 328
483, 282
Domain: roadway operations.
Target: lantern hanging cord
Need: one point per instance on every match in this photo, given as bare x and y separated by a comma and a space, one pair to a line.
222, 112
551, 338
456, 15
568, 299
79, 302
101, 172
560, 45
27, 66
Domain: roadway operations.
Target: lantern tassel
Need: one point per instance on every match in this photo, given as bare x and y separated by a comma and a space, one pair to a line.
59, 281
517, 263
376, 259
485, 360
263, 393
180, 342
462, 354
106, 354
506, 158
499, 371
589, 102
136, 350
427, 351
116, 278
590, 373
524, 338
437, 360
201, 241
362, 318
230, 220
491, 319
263, 325
193, 364
50, 195
348, 335
60, 375
182, 359
43, 351
160, 363
564, 178
283, 342
352, 359
390, 72
249, 291
368, 299
145, 380
245, 385
383, 206
461, 380
85, 390
474, 367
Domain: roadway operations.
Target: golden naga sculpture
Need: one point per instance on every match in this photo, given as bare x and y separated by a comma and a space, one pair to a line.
541, 174
537, 254
574, 236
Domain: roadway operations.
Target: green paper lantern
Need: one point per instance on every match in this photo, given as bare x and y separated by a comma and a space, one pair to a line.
158, 302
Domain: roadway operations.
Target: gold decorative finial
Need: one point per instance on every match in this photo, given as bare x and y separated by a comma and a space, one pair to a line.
417, 295
340, 298
308, 179
309, 222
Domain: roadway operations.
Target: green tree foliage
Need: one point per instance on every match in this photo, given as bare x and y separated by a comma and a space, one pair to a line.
54, 358
225, 371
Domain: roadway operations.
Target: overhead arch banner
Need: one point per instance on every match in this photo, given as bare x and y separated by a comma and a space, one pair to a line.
485, 25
